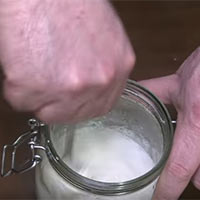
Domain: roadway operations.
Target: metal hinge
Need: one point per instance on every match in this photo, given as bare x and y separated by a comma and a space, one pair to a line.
30, 140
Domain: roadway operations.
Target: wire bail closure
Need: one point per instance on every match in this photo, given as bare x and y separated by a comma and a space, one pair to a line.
30, 138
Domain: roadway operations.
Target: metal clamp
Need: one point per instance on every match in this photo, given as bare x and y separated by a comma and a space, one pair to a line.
31, 140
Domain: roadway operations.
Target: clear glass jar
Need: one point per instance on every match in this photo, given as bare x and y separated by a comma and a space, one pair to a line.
90, 160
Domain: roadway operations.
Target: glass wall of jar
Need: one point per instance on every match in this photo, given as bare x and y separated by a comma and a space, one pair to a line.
116, 156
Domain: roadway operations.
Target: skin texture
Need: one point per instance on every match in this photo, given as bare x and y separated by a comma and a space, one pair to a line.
182, 89
69, 61
64, 60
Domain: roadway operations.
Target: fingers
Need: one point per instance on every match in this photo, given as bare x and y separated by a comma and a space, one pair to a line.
91, 103
163, 87
182, 162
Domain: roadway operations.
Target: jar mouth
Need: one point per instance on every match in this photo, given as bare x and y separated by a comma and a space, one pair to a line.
108, 188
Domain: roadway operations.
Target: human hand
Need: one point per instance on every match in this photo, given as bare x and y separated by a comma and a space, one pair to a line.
183, 91
63, 60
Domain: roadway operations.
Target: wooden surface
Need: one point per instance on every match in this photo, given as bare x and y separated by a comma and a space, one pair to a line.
163, 34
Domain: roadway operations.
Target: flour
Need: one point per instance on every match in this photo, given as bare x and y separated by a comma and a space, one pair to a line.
107, 155
101, 154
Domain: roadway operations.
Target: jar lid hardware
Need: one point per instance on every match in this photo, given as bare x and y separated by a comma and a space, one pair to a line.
32, 140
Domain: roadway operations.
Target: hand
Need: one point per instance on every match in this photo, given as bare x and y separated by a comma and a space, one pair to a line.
63, 60
183, 91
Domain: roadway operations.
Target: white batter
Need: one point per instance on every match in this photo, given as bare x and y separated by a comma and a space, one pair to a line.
102, 154
108, 155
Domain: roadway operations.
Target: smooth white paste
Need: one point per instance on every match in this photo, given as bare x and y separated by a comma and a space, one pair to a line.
102, 154
108, 155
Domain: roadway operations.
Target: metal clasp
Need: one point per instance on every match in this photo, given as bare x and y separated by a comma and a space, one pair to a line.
30, 139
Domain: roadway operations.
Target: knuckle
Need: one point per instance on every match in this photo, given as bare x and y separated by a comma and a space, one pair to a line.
131, 59
107, 76
105, 80
178, 170
75, 83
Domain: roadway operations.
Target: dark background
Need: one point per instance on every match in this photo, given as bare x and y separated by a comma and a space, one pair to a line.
163, 34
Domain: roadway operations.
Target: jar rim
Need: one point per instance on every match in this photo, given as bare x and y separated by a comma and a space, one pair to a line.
105, 188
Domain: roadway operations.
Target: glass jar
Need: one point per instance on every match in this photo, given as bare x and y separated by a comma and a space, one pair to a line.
82, 160
116, 156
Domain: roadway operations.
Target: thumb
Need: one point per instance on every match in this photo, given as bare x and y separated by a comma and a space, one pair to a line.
163, 87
